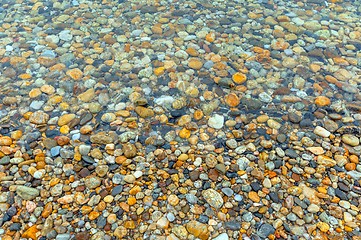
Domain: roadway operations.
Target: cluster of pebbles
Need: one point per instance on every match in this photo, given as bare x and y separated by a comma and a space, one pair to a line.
175, 120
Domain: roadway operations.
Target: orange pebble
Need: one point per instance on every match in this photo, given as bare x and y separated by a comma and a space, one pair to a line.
239, 78
322, 101
350, 166
354, 159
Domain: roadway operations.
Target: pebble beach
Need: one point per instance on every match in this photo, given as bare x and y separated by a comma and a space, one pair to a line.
177, 120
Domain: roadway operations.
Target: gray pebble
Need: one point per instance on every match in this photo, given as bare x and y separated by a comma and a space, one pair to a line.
227, 191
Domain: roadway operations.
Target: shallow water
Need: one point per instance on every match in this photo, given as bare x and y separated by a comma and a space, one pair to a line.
180, 120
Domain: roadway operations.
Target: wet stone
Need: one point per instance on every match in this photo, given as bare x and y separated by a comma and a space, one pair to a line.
117, 190
291, 153
294, 117
342, 195
233, 225
227, 191
133, 129
265, 230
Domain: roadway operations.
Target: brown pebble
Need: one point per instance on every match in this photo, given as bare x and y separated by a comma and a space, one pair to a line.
82, 236
84, 173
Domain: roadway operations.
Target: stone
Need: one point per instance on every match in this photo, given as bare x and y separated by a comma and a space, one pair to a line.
233, 225
289, 62
31, 232
322, 101
101, 138
316, 150
320, 131
102, 170
198, 229
108, 117
129, 150
65, 119
144, 112
326, 161
163, 223
92, 182
254, 196
273, 124
120, 232
87, 96
75, 73
48, 208
313, 208
195, 63
39, 117
324, 227
265, 230
180, 231
27, 193
216, 121
173, 200
232, 100
5, 141
213, 198
349, 139
239, 78
310, 194
66, 199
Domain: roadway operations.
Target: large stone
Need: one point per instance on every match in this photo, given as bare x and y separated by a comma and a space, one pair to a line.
5, 141
198, 229
87, 96
216, 121
65, 119
144, 112
213, 198
102, 138
350, 139
265, 230
180, 231
320, 131
30, 233
92, 182
129, 150
310, 194
120, 232
27, 193
39, 117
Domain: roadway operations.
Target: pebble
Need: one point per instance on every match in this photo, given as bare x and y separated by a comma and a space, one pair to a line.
350, 140
320, 131
222, 236
216, 121
92, 182
213, 198
265, 230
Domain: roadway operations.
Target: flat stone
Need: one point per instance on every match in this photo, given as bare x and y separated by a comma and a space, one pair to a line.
144, 112
27, 193
101, 138
39, 117
65, 119
350, 140
92, 182
233, 225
